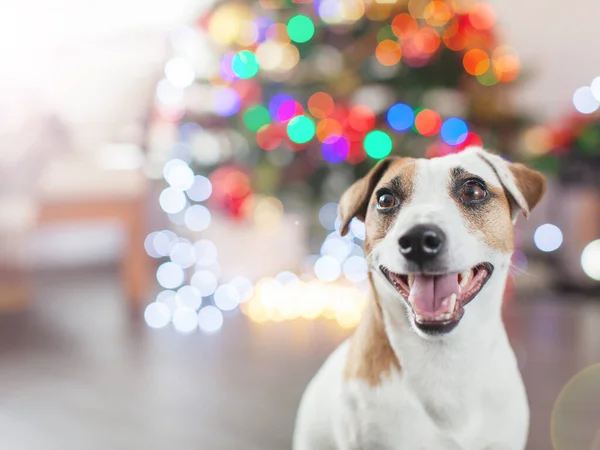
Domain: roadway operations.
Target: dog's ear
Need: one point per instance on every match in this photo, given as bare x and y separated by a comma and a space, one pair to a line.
355, 200
524, 187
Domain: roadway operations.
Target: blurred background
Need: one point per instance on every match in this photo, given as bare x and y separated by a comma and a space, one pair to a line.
171, 272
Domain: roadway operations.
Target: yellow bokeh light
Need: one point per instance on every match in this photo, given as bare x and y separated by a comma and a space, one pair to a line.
339, 302
227, 21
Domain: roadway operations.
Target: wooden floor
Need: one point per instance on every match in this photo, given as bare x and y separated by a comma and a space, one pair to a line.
77, 374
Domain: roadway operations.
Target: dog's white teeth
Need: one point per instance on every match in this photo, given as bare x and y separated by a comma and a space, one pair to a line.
465, 277
411, 279
451, 304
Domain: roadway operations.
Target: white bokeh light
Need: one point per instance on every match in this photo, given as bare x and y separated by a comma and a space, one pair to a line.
357, 228
197, 218
172, 200
584, 100
244, 286
183, 254
210, 319
157, 315
338, 248
149, 244
163, 241
205, 281
595, 87
327, 268
168, 298
180, 72
206, 252
170, 275
185, 320
590, 260
327, 215
356, 269
548, 237
227, 297
168, 94
287, 278
200, 190
180, 177
189, 297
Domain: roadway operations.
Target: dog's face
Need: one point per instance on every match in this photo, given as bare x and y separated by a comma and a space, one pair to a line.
437, 230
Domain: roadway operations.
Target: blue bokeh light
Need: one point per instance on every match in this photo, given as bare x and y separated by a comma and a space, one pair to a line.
336, 151
401, 117
227, 102
276, 102
454, 131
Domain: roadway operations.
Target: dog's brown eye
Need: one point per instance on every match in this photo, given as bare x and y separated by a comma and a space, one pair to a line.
473, 191
386, 201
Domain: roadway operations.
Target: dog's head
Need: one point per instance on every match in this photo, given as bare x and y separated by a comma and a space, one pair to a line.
439, 231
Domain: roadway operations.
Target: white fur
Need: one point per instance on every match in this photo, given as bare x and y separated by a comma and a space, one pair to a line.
462, 390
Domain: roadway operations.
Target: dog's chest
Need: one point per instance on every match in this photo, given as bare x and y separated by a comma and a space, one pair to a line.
436, 415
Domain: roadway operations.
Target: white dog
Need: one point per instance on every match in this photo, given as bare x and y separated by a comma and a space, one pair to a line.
430, 365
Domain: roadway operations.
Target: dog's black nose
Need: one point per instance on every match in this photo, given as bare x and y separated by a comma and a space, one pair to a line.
422, 243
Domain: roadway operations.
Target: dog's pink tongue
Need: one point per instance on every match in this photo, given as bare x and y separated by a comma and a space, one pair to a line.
428, 291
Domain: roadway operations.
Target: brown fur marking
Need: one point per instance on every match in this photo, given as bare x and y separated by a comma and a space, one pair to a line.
371, 356
531, 183
377, 225
492, 220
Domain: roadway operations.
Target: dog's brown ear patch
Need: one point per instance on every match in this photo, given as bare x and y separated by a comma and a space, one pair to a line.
370, 357
355, 200
531, 183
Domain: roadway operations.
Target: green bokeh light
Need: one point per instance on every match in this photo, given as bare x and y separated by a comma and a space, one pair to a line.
300, 28
378, 144
386, 32
255, 117
244, 64
301, 129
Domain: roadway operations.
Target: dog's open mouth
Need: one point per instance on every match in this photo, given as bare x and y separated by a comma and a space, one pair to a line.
437, 301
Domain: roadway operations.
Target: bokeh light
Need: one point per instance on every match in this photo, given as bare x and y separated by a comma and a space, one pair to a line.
197, 218
336, 151
301, 129
378, 144
170, 275
200, 190
172, 200
227, 102
180, 73
361, 118
476, 61
388, 52
356, 269
210, 319
404, 26
183, 254
189, 297
205, 281
401, 117
428, 122
256, 117
300, 28
454, 131
244, 286
327, 268
482, 16
327, 215
590, 260
584, 100
185, 320
320, 105
227, 297
244, 64
157, 315
548, 237
269, 137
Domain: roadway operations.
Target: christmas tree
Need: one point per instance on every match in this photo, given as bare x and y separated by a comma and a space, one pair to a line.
295, 100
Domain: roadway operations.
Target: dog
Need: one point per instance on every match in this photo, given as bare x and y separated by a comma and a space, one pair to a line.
429, 366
